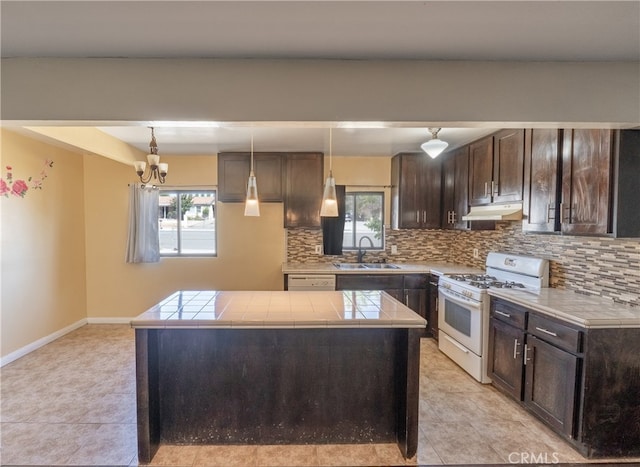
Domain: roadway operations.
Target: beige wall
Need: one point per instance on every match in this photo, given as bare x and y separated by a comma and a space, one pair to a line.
250, 250
43, 262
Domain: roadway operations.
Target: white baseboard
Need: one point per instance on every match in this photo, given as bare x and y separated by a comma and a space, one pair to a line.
21, 352
109, 320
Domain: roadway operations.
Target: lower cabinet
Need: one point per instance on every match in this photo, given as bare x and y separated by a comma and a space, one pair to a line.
582, 382
551, 384
432, 308
410, 289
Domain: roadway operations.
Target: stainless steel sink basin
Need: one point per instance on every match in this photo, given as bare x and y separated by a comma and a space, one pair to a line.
349, 265
380, 266
365, 266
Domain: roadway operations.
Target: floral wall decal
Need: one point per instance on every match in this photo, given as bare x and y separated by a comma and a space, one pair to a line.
19, 187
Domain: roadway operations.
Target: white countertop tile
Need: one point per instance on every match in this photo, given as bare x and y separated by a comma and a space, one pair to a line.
282, 310
589, 311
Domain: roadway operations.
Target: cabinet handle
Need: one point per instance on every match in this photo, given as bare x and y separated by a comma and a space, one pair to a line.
453, 217
515, 348
494, 188
406, 298
486, 189
525, 359
549, 208
424, 216
551, 333
502, 313
418, 217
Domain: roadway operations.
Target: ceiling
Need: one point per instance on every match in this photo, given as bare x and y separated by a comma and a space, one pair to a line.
358, 30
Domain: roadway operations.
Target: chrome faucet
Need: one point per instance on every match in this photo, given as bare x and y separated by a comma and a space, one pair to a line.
362, 252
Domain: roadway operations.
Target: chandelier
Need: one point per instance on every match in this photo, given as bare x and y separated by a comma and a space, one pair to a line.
157, 170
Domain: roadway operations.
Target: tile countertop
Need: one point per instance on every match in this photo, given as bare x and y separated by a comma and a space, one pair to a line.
404, 268
278, 310
589, 311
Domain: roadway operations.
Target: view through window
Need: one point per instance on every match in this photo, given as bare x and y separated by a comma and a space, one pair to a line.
364, 220
187, 223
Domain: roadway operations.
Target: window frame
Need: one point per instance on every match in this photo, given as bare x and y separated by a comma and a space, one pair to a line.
178, 192
355, 194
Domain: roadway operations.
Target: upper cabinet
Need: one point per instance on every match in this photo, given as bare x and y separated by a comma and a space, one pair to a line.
303, 189
455, 188
233, 174
496, 168
416, 181
543, 155
586, 181
582, 182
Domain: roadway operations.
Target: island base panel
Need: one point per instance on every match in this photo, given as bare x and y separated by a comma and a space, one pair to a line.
278, 386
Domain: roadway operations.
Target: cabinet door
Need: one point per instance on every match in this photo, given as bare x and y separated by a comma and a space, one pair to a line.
508, 166
541, 182
461, 192
233, 174
431, 186
586, 182
448, 189
406, 173
551, 384
432, 314
480, 171
303, 193
505, 357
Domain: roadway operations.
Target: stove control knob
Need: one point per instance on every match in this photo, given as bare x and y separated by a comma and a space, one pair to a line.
466, 293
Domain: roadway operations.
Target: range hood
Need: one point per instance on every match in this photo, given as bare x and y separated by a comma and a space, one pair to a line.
495, 212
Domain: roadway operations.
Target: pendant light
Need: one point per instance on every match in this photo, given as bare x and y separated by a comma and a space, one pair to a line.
251, 205
329, 199
434, 146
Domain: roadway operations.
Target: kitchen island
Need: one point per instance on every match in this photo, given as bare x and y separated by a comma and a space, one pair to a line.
218, 367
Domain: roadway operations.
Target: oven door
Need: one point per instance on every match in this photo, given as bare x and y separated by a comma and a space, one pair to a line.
461, 319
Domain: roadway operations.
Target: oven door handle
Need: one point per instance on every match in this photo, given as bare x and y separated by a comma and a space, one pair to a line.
453, 342
467, 304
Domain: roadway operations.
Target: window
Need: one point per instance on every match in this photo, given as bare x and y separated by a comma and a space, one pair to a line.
187, 223
364, 216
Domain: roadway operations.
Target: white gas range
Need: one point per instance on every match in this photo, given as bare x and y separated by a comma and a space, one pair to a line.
463, 306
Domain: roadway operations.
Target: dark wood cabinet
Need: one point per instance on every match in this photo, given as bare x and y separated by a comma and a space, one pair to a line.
551, 388
432, 308
303, 189
506, 343
455, 188
508, 166
410, 289
587, 164
496, 168
233, 174
480, 171
543, 150
416, 181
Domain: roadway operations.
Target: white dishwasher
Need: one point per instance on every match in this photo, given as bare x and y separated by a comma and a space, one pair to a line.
306, 282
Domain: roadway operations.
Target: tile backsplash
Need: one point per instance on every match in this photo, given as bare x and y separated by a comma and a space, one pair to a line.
592, 265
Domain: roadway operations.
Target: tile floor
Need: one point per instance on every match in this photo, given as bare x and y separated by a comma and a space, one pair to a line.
72, 402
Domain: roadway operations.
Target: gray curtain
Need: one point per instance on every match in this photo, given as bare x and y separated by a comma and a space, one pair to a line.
143, 242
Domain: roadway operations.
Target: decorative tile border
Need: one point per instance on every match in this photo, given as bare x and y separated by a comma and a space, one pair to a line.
595, 265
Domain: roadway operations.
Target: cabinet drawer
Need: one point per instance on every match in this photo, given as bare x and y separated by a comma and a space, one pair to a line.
368, 282
416, 281
509, 313
553, 331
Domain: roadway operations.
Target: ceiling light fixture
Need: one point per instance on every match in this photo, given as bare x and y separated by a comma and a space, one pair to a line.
251, 204
157, 170
329, 199
434, 146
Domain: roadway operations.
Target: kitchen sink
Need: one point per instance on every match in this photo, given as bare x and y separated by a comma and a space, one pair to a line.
349, 265
380, 266
365, 266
